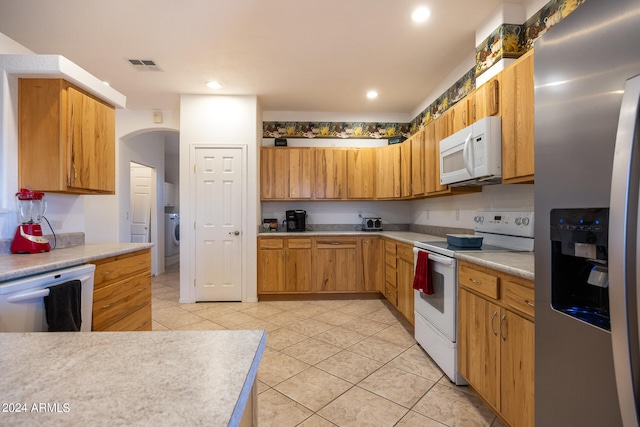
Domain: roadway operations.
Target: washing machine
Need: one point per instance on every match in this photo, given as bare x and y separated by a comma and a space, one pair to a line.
171, 234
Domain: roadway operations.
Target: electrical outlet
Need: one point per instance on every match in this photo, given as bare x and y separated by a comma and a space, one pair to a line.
359, 214
457, 214
427, 214
56, 224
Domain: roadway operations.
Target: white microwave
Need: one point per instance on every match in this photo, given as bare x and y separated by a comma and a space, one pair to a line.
473, 155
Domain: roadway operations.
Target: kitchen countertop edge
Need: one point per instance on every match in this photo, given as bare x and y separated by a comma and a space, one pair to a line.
519, 264
16, 266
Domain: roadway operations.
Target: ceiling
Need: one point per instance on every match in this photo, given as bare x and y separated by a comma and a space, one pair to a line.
296, 55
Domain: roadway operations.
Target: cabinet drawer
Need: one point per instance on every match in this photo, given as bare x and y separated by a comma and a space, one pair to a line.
390, 276
520, 297
116, 301
391, 294
336, 243
113, 269
390, 260
271, 244
390, 247
479, 281
406, 253
299, 243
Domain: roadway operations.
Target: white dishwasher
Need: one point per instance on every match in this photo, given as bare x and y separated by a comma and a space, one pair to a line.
22, 305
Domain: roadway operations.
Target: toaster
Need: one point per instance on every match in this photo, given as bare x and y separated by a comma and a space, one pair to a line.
371, 224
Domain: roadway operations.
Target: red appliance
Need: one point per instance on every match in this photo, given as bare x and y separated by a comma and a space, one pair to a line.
28, 238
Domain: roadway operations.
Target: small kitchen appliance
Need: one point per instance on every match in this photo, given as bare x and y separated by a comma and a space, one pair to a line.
371, 224
296, 220
28, 238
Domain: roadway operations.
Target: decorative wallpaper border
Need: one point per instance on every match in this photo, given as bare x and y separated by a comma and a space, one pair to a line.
507, 41
345, 130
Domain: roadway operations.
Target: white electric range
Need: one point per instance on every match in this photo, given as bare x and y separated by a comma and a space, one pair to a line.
436, 318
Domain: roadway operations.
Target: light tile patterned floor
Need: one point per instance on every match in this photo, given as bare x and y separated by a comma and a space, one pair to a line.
332, 363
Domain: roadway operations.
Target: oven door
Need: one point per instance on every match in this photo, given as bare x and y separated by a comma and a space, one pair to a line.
439, 309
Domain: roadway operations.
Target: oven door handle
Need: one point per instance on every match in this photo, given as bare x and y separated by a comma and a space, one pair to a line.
440, 259
435, 258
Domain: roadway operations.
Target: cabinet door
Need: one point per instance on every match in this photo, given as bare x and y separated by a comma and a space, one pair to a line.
485, 101
336, 264
270, 270
479, 341
404, 288
459, 116
434, 133
91, 138
517, 366
300, 173
405, 168
417, 164
330, 173
297, 270
360, 173
388, 172
372, 264
517, 121
274, 177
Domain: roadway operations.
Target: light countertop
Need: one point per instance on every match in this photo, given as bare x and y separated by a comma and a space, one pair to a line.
13, 266
160, 378
520, 264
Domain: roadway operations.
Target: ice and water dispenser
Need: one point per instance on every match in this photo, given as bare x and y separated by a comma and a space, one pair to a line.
579, 264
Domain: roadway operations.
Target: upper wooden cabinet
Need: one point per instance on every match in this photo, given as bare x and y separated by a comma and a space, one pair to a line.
418, 173
286, 173
485, 100
517, 121
388, 172
300, 173
66, 139
360, 173
458, 116
330, 173
274, 176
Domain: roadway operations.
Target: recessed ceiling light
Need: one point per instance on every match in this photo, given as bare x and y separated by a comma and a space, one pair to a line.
421, 14
372, 94
214, 85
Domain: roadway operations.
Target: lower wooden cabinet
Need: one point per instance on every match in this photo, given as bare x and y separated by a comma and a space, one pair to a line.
284, 265
122, 293
331, 264
399, 278
496, 340
336, 261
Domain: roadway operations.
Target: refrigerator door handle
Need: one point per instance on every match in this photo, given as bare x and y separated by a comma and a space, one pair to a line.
624, 268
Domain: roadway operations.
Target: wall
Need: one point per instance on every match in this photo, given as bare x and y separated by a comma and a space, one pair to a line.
65, 209
220, 121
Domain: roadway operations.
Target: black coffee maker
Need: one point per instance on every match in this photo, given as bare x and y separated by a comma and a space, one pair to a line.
296, 220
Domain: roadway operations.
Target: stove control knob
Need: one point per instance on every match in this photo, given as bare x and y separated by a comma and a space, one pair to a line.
525, 221
518, 221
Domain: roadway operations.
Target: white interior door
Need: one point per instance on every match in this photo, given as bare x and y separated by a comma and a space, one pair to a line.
140, 203
218, 219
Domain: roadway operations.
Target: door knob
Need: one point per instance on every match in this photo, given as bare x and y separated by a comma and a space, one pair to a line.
235, 232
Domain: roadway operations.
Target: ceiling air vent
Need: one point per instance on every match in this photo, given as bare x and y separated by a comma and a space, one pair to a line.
144, 64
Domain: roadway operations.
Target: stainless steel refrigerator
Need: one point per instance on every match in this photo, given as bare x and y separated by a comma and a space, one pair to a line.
587, 160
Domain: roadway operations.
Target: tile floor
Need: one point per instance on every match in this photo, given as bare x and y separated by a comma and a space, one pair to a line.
332, 363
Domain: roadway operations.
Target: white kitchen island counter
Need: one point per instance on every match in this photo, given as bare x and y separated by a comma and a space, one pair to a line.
161, 378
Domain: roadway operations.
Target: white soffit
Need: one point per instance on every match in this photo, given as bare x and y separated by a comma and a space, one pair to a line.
57, 66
